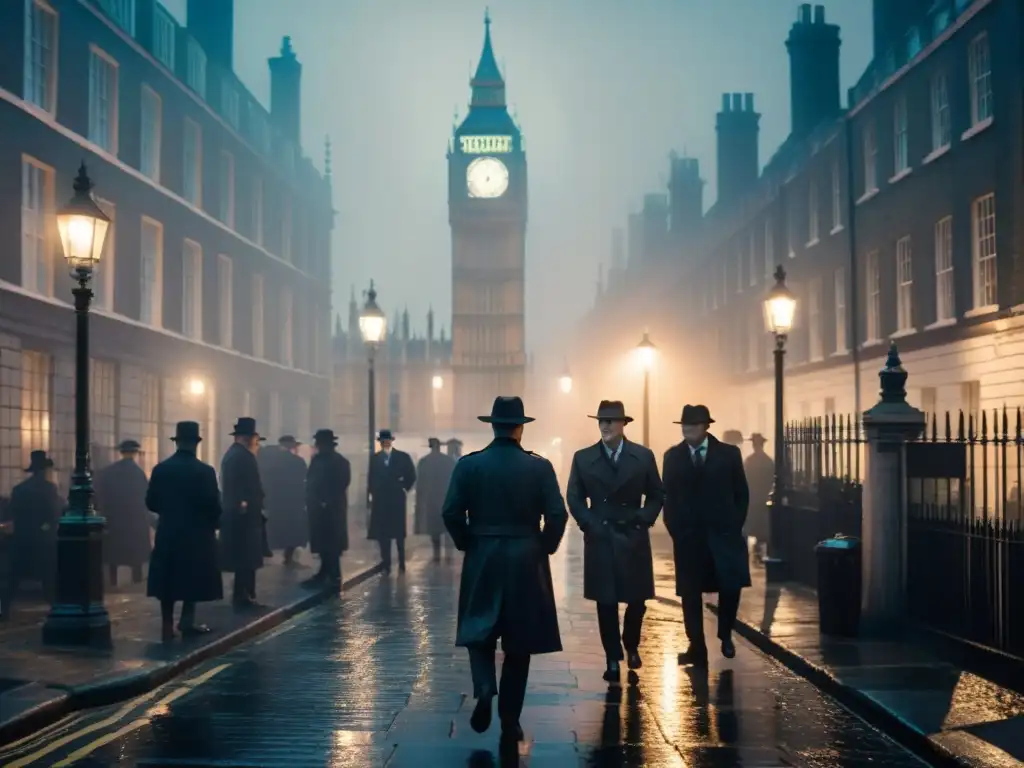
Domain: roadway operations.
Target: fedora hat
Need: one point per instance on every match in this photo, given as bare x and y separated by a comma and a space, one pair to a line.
246, 427
38, 461
288, 441
508, 411
385, 434
612, 410
758, 439
129, 446
433, 442
325, 437
695, 414
733, 437
187, 431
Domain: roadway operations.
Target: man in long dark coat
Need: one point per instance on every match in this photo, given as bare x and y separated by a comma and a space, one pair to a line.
706, 500
760, 471
183, 494
121, 498
327, 506
283, 475
391, 477
496, 501
620, 480
432, 475
35, 509
243, 528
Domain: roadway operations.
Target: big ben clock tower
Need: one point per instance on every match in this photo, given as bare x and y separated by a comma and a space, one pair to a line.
487, 213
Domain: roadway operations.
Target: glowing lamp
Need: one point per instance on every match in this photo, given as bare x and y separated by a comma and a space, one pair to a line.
83, 226
646, 352
779, 306
196, 387
437, 382
372, 322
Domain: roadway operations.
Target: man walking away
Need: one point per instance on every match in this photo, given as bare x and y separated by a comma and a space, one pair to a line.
121, 498
706, 499
495, 504
392, 475
183, 494
35, 509
432, 475
454, 448
283, 476
327, 506
760, 471
242, 534
620, 481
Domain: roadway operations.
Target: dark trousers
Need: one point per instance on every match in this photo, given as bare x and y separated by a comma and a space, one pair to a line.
136, 574
188, 613
608, 626
445, 540
385, 552
330, 566
245, 586
693, 617
515, 670
289, 554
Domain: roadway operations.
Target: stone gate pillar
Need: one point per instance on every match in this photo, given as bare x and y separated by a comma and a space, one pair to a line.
887, 427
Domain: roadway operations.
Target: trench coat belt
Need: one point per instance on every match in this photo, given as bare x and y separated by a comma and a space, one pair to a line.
504, 531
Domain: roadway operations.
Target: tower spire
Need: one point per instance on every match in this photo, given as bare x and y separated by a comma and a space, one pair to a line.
488, 84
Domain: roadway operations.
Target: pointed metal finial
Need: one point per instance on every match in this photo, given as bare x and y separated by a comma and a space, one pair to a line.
893, 377
83, 184
487, 17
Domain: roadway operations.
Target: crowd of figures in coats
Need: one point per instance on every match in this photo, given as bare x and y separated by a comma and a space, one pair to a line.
191, 528
504, 509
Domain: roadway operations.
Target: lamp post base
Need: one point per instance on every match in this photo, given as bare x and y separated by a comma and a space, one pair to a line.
78, 616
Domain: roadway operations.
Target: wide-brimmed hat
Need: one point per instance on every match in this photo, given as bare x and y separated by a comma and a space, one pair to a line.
385, 434
612, 410
129, 446
38, 461
288, 441
433, 442
507, 410
325, 437
187, 431
758, 439
453, 442
733, 437
695, 414
246, 427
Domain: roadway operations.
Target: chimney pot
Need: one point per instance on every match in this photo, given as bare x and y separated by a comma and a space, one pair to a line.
725, 102
804, 16
748, 102
819, 14
737, 102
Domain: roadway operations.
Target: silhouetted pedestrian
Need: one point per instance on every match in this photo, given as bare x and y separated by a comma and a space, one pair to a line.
243, 531
391, 477
35, 509
121, 498
432, 475
283, 476
326, 495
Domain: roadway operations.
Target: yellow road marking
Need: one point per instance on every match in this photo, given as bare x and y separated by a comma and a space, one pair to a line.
122, 713
63, 722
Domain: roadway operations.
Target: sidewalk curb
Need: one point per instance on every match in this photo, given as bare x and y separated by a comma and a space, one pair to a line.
862, 705
112, 691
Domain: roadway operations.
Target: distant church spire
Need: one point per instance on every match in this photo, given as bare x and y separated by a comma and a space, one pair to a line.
488, 84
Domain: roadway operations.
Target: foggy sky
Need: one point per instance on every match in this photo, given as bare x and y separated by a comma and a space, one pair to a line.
603, 90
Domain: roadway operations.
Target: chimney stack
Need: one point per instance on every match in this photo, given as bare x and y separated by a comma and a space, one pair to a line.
738, 131
212, 24
686, 196
286, 92
813, 49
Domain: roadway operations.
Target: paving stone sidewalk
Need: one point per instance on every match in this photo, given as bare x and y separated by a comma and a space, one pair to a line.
39, 684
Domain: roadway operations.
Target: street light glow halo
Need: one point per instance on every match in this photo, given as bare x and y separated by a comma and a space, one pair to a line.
372, 321
437, 382
82, 226
779, 306
646, 352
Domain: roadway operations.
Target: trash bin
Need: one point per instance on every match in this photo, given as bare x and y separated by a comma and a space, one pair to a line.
839, 576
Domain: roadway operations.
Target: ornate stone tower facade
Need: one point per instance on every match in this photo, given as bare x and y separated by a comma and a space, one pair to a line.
487, 205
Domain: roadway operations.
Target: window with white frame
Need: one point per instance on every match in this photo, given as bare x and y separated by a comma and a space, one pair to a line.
192, 290
812, 211
227, 188
755, 338
102, 100
257, 316
151, 273
257, 210
36, 402
979, 65
165, 33
102, 409
122, 12
815, 345
983, 236
195, 68
103, 279
287, 327
149, 420
941, 126
839, 302
944, 291
837, 197
286, 230
874, 305
769, 249
869, 153
752, 257
229, 102
226, 299
192, 178
904, 285
41, 55
37, 251
900, 148
151, 138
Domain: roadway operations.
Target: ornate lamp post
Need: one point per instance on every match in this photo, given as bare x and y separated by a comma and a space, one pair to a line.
646, 352
372, 325
78, 615
779, 311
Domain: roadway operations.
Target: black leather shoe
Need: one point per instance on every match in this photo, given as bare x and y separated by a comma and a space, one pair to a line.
480, 720
511, 733
612, 673
194, 630
692, 657
633, 660
728, 649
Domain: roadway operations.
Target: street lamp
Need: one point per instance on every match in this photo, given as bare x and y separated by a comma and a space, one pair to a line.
372, 324
196, 387
779, 311
565, 380
646, 352
78, 615
437, 383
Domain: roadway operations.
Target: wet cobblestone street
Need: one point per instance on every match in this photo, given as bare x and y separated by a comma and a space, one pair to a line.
375, 680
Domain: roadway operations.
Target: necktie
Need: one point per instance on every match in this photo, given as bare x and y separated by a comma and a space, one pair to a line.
698, 457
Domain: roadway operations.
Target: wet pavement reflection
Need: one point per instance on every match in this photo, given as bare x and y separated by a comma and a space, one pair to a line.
374, 680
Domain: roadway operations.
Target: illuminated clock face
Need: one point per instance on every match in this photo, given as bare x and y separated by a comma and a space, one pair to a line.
486, 177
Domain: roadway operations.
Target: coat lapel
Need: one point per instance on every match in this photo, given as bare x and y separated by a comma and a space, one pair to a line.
614, 475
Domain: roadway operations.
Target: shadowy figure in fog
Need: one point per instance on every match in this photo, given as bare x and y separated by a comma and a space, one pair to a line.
760, 470
183, 493
120, 490
432, 475
391, 477
327, 483
283, 476
243, 532
35, 509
